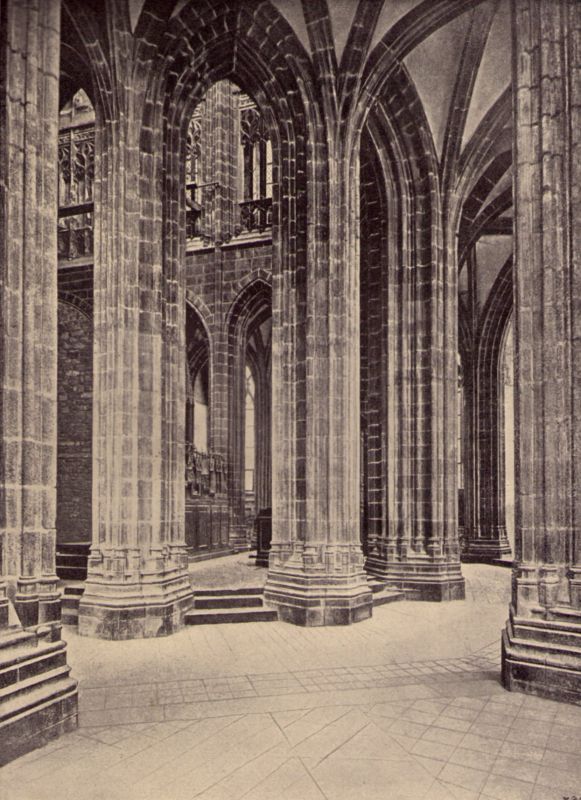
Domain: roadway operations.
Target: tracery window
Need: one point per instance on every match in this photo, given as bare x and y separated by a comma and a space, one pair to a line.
256, 205
76, 163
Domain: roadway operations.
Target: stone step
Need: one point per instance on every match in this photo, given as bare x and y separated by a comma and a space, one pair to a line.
20, 663
565, 615
71, 573
387, 595
78, 548
73, 589
552, 634
71, 598
15, 637
376, 585
70, 602
200, 616
228, 592
71, 560
26, 718
552, 645
24, 685
228, 601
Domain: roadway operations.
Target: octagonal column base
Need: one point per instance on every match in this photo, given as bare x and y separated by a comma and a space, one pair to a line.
318, 599
421, 579
135, 610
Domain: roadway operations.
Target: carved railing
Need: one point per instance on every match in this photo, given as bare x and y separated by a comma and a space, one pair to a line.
205, 473
256, 215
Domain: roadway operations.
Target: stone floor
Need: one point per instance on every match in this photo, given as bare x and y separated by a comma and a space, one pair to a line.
405, 705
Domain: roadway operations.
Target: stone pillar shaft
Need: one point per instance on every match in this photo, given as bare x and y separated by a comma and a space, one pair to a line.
29, 307
262, 427
415, 545
236, 434
316, 566
137, 582
38, 700
546, 607
487, 535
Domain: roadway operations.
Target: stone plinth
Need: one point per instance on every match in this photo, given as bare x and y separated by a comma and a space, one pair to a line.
487, 548
331, 590
141, 606
319, 600
423, 579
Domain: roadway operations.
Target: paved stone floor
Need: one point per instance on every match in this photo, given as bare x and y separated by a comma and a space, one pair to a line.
405, 705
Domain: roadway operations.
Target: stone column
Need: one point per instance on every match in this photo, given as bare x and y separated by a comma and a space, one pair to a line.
415, 545
29, 310
316, 572
542, 640
230, 532
262, 428
237, 343
488, 538
137, 583
38, 699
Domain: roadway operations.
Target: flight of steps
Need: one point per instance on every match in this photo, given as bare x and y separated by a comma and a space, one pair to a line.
37, 696
71, 560
72, 593
383, 593
213, 606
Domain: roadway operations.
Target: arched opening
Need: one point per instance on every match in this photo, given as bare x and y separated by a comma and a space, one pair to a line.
229, 168
206, 529
507, 404
200, 410
249, 423
76, 167
230, 173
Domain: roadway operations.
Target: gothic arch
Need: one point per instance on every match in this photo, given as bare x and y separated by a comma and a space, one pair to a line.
205, 315
82, 304
208, 42
198, 341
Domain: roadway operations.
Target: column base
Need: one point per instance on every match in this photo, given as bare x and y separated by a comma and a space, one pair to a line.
139, 610
39, 699
421, 580
487, 550
542, 656
318, 599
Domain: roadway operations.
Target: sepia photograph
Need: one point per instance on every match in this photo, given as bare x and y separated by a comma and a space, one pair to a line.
290, 399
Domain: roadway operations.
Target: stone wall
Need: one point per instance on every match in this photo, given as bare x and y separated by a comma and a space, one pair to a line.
75, 410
